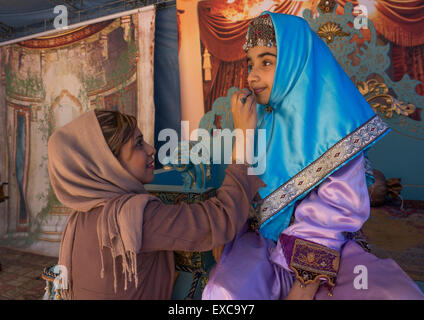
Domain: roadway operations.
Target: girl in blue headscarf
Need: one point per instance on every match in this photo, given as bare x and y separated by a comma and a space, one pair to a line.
318, 126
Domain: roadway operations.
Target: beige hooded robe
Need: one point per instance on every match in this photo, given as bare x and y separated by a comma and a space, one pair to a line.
119, 241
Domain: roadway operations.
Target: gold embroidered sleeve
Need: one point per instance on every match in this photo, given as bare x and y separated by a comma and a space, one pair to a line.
311, 261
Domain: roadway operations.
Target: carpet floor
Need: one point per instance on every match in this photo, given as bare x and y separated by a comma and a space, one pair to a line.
398, 233
391, 232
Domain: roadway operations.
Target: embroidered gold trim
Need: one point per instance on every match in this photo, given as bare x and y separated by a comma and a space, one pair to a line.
311, 175
311, 261
260, 33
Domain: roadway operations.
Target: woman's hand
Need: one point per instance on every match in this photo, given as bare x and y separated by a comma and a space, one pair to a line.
298, 293
217, 253
243, 108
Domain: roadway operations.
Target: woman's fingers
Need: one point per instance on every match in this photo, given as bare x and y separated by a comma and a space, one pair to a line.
217, 252
235, 100
243, 107
240, 97
250, 102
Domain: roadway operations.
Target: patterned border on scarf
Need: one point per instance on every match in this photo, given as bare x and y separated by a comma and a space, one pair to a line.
306, 179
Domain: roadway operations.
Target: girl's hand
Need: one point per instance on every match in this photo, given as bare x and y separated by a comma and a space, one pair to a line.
298, 293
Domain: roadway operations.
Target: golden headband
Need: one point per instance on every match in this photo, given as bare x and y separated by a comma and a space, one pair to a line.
260, 33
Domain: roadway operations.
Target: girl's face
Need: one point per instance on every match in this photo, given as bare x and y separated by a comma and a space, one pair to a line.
261, 62
137, 156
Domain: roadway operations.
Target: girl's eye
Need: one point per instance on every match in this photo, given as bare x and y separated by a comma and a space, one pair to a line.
267, 63
249, 68
139, 143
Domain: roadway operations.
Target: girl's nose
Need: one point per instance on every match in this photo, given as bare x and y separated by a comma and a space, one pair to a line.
253, 76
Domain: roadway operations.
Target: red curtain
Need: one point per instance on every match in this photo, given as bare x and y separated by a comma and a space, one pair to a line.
399, 21
224, 75
409, 60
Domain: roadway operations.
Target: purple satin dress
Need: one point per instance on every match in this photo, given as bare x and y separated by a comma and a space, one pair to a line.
255, 268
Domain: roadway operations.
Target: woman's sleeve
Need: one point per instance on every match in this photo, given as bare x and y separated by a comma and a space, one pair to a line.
311, 245
204, 225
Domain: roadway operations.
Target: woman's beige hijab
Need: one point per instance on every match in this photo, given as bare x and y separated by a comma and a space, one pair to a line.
85, 174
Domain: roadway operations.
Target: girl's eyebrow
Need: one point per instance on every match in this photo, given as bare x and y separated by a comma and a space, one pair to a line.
266, 54
263, 55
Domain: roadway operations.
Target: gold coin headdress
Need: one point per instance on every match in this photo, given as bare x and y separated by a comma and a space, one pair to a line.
260, 33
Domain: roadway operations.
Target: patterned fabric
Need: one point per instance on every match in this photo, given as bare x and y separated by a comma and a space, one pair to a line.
260, 33
345, 149
245, 272
311, 261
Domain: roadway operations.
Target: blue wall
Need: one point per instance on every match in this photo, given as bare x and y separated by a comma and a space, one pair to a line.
167, 75
400, 156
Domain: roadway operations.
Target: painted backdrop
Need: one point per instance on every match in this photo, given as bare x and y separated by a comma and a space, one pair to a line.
211, 34
45, 83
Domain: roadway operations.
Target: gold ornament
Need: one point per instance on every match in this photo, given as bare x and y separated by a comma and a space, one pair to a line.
330, 30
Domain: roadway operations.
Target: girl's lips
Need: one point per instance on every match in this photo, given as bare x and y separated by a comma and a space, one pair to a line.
259, 90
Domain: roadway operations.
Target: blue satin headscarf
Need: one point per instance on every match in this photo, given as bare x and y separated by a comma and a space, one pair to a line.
315, 105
